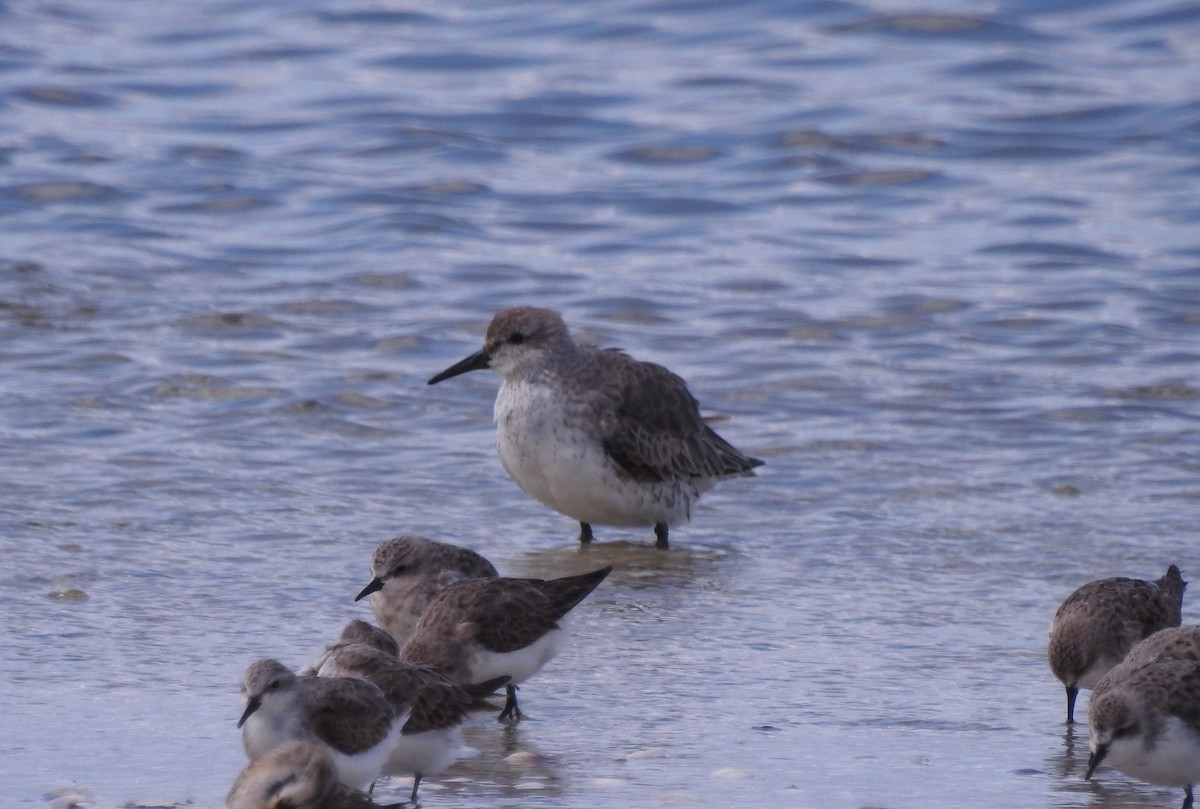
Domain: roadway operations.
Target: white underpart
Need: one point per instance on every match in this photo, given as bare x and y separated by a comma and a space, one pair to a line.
1173, 760
521, 664
546, 451
361, 769
428, 752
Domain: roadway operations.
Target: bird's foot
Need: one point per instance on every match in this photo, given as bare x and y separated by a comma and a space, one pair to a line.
511, 712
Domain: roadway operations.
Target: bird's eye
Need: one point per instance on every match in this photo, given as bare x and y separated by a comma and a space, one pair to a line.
516, 338
399, 570
273, 686
1120, 733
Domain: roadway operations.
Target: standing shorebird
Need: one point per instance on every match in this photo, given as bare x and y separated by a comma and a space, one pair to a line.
1145, 721
479, 629
431, 739
1100, 622
408, 571
350, 719
594, 434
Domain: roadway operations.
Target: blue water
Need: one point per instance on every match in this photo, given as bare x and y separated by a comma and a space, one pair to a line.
938, 264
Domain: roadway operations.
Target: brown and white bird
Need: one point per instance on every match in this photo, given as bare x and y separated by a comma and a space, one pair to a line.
1097, 625
478, 629
431, 739
347, 717
1145, 721
408, 571
593, 433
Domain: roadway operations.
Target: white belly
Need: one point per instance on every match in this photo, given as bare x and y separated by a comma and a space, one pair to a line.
552, 458
361, 769
427, 753
521, 664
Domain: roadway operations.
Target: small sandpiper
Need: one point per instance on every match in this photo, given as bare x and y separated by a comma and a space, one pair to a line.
1146, 723
479, 629
594, 434
349, 718
431, 740
409, 571
1098, 624
295, 775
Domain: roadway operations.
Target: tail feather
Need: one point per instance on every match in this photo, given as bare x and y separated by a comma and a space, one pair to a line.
566, 593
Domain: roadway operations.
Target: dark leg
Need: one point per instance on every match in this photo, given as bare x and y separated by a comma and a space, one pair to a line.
660, 535
585, 533
1187, 797
511, 711
1072, 693
416, 783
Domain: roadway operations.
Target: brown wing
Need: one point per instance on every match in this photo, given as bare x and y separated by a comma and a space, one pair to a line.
1180, 683
439, 703
349, 714
502, 615
398, 680
565, 594
510, 614
435, 700
652, 429
1128, 606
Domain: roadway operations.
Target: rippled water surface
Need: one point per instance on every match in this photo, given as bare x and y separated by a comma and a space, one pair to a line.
938, 263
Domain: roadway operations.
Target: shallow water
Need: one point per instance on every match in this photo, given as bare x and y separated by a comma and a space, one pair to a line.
939, 264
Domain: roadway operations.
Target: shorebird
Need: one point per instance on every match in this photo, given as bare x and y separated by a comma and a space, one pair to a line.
594, 434
431, 739
295, 775
349, 718
479, 629
1097, 625
1146, 723
408, 572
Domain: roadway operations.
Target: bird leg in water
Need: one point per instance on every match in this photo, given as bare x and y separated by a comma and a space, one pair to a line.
511, 711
